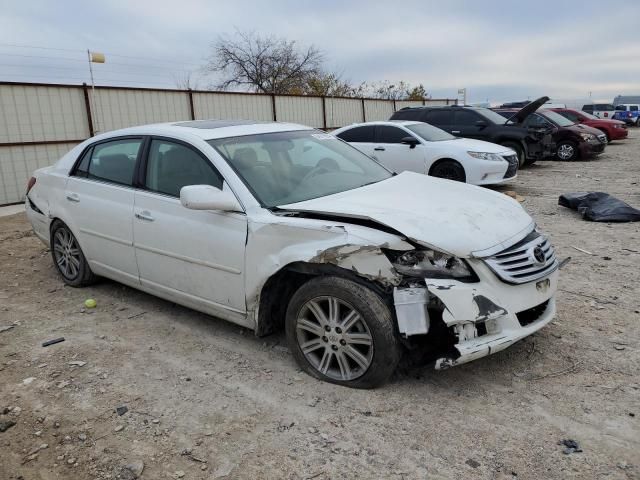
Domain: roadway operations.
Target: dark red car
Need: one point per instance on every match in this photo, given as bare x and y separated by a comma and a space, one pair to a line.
613, 129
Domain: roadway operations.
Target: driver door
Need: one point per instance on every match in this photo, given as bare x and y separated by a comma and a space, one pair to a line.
395, 155
194, 256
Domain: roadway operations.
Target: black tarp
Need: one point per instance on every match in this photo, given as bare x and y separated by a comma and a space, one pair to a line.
600, 207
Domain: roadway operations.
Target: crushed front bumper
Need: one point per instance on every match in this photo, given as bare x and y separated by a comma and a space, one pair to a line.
488, 316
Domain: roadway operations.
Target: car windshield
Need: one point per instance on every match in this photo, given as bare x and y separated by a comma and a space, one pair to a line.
556, 118
491, 115
288, 167
430, 133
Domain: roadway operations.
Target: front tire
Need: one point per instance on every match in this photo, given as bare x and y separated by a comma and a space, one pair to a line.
68, 257
342, 332
450, 170
567, 151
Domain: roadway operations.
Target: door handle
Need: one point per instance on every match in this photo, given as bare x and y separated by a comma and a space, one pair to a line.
455, 131
73, 197
379, 149
145, 215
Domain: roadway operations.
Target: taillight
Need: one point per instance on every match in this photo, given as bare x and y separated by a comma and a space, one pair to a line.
30, 184
629, 115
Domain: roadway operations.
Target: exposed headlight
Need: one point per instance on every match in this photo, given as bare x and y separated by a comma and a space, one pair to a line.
588, 137
486, 156
430, 264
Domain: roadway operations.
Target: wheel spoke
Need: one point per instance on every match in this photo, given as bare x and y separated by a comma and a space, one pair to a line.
317, 311
58, 248
357, 357
334, 310
325, 362
311, 345
61, 260
358, 338
74, 251
350, 320
343, 363
72, 268
309, 326
75, 262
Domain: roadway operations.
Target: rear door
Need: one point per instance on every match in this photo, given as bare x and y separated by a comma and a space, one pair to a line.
195, 256
395, 155
466, 124
99, 198
441, 118
361, 137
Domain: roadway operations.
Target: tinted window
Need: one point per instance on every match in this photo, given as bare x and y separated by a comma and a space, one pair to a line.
633, 108
172, 166
358, 135
387, 134
464, 117
113, 161
621, 108
439, 117
430, 133
535, 120
588, 108
574, 117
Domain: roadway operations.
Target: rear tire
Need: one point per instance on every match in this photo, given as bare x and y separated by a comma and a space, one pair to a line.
449, 169
567, 151
522, 159
342, 332
68, 257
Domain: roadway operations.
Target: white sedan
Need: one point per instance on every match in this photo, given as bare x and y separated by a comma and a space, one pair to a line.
422, 148
279, 226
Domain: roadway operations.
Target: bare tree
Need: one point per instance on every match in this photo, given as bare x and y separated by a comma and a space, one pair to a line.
185, 80
266, 64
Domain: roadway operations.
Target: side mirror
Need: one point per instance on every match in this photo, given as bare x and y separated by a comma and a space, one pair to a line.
411, 141
206, 197
481, 123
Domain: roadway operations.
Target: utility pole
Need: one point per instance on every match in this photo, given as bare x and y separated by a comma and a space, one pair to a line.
94, 57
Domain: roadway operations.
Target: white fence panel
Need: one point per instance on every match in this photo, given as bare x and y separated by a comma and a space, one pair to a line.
18, 163
408, 103
36, 113
232, 106
343, 111
378, 109
304, 110
125, 108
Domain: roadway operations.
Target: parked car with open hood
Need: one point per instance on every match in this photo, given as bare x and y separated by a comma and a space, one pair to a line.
422, 148
613, 129
276, 225
573, 141
530, 144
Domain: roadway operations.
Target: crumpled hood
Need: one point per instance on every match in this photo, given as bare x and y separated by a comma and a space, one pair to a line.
450, 216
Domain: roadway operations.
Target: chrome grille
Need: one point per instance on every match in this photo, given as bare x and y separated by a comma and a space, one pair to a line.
518, 263
602, 138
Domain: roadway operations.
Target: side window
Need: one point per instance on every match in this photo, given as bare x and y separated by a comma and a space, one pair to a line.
112, 161
464, 117
172, 166
621, 108
358, 135
633, 108
439, 117
535, 120
388, 134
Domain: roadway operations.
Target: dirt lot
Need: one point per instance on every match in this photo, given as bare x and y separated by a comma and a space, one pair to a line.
209, 400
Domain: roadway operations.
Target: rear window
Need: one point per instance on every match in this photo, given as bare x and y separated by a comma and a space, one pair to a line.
406, 115
357, 135
439, 117
112, 161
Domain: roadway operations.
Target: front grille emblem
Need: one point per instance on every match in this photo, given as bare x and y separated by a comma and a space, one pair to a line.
538, 255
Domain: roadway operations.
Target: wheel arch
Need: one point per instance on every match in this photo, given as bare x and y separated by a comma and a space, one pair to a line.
279, 288
445, 159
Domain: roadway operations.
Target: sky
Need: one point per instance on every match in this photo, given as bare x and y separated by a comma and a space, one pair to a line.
497, 50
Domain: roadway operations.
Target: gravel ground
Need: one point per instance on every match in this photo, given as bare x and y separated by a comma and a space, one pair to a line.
208, 400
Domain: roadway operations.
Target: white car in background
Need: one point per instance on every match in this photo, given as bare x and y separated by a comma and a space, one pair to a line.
279, 226
422, 148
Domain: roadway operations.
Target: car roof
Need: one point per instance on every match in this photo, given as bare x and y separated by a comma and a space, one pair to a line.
210, 129
383, 122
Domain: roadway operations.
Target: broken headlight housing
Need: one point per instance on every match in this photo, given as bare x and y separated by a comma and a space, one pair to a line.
431, 264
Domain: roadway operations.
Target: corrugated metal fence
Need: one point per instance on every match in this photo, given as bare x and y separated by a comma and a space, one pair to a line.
41, 122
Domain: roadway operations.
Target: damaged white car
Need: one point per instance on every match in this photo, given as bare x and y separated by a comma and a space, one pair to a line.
274, 225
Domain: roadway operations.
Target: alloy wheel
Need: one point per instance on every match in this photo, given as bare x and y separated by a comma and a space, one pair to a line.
566, 151
334, 338
66, 253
